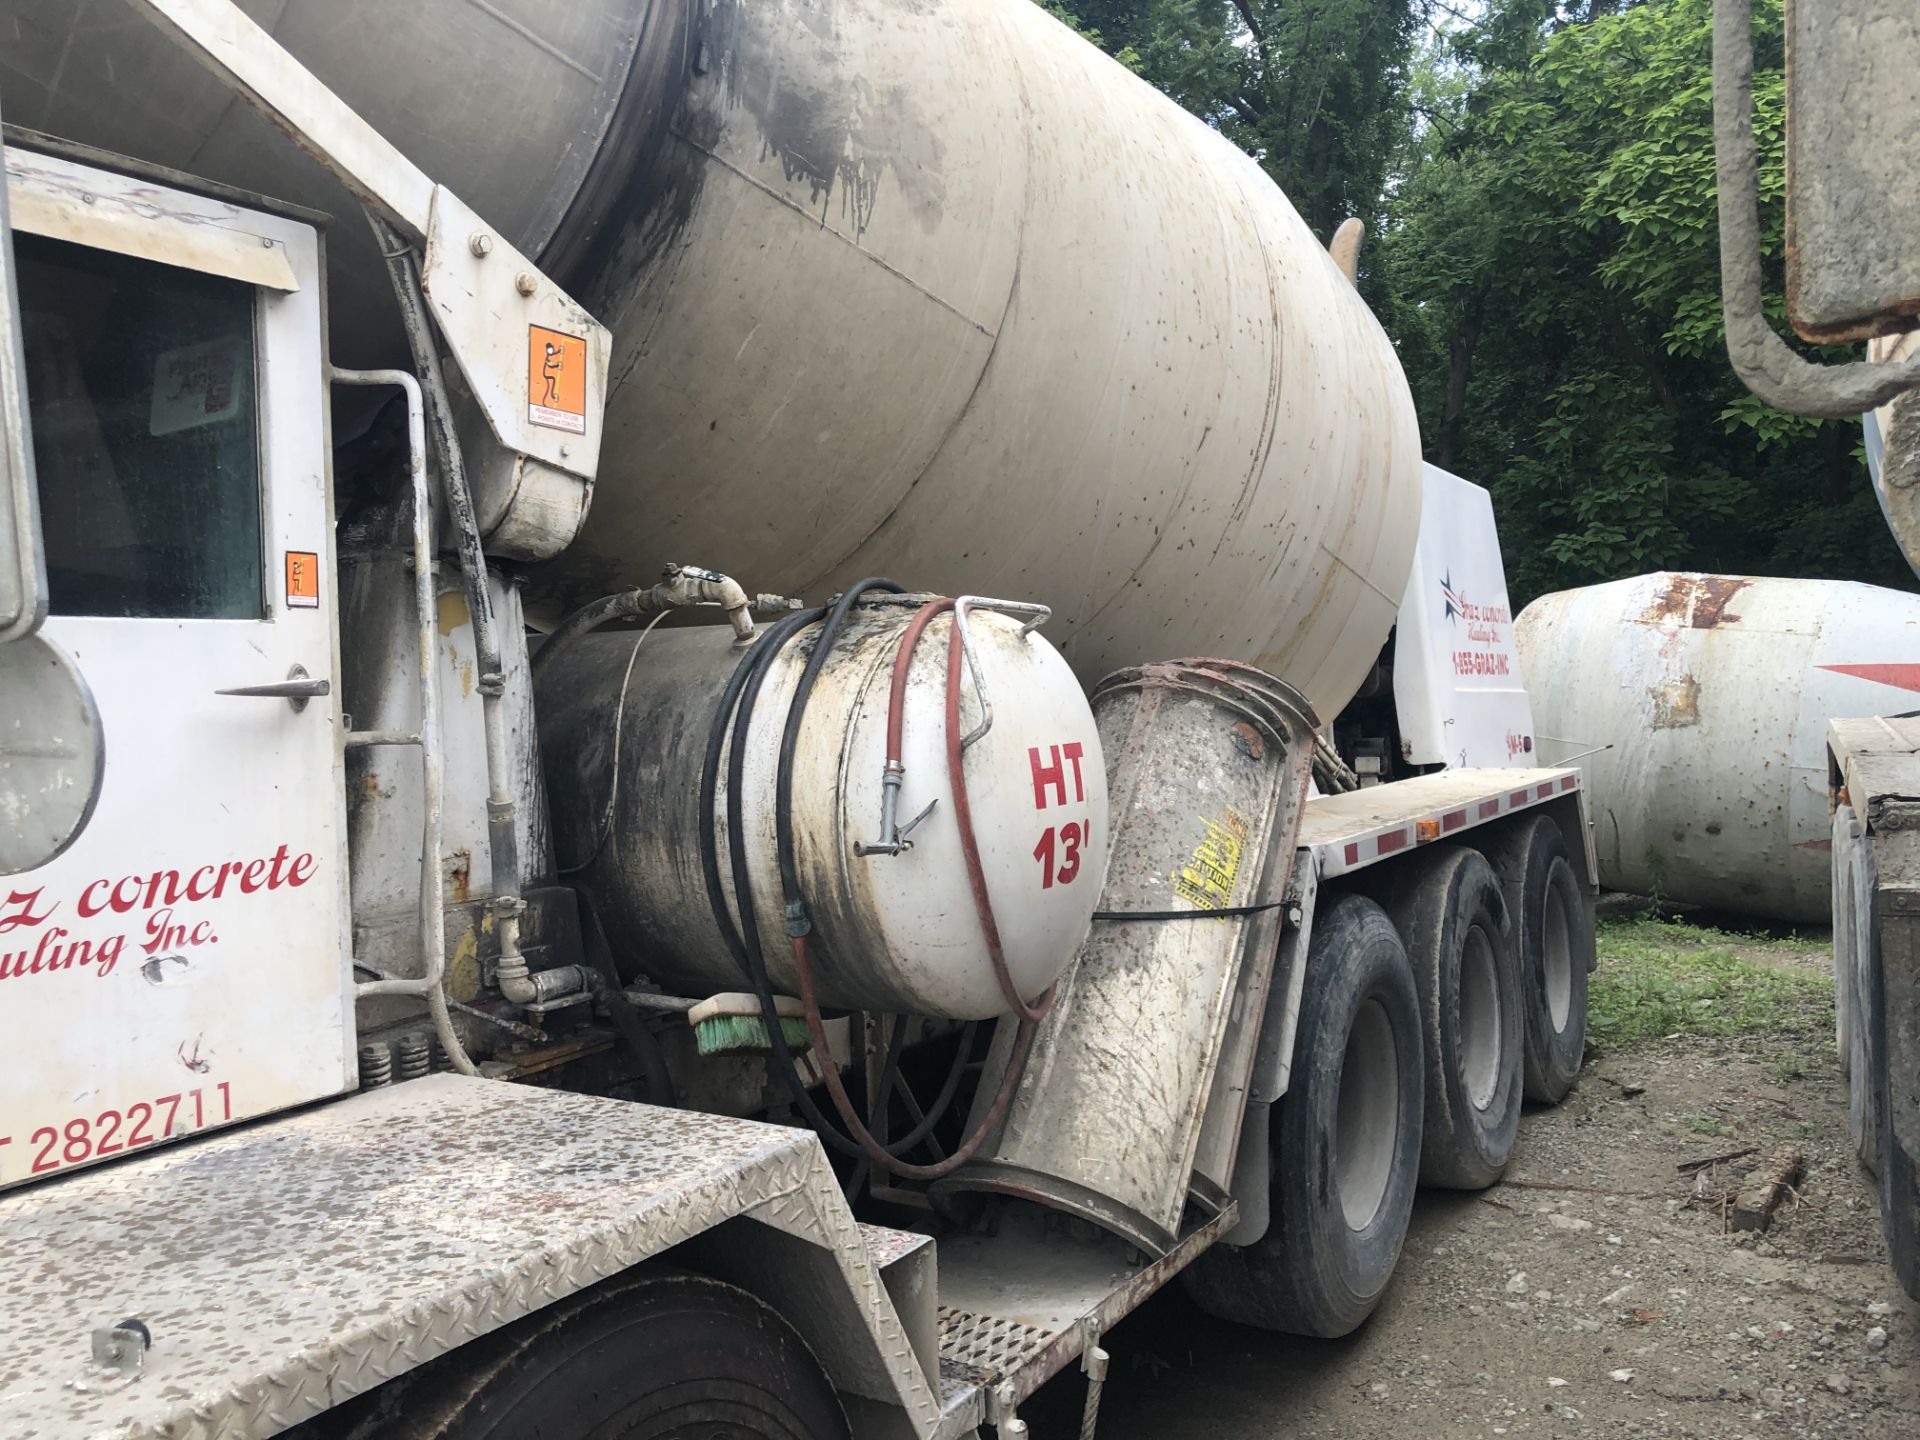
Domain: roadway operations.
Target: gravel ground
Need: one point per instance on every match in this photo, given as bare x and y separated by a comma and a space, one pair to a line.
1588, 1294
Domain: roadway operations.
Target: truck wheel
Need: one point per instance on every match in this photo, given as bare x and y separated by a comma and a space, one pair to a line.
1553, 943
1448, 907
667, 1355
1345, 1142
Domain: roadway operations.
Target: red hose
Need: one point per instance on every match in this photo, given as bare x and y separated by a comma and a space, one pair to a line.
861, 1136
902, 667
970, 848
1030, 1015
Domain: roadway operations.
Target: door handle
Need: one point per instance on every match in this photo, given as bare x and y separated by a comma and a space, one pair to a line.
296, 689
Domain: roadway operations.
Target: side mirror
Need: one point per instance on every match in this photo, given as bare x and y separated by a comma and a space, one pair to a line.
23, 578
51, 753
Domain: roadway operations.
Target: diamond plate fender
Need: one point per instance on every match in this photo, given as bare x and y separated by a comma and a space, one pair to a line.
286, 1267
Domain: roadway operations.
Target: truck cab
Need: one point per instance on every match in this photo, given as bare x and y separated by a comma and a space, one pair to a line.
176, 385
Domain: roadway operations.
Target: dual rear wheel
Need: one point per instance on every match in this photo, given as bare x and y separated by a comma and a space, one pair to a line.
1428, 1009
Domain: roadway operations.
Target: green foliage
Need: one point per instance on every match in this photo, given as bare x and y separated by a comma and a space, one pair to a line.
1538, 179
1551, 274
1313, 89
1658, 979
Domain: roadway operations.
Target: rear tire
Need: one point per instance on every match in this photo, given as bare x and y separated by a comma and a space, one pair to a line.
1553, 945
663, 1357
1448, 906
1345, 1142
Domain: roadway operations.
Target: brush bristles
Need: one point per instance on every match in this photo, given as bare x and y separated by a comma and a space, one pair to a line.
746, 1035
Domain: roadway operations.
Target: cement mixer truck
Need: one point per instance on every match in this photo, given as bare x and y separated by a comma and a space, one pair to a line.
1852, 275
453, 991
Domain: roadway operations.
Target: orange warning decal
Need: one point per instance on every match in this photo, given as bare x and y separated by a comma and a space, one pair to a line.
303, 580
556, 380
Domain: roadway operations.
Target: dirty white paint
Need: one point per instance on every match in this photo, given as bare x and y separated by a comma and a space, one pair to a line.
184, 964
861, 286
1714, 694
1456, 672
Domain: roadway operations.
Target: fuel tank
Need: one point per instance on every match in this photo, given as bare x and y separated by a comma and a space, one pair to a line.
928, 288
626, 722
1712, 694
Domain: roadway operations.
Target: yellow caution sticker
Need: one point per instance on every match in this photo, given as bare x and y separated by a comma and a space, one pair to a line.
1208, 877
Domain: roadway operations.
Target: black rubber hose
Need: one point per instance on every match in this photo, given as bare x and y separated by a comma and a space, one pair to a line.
734, 716
634, 1031
627, 605
948, 1087
746, 940
798, 921
790, 743
743, 941
768, 644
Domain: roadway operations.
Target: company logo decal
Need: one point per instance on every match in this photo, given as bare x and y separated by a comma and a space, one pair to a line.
1487, 650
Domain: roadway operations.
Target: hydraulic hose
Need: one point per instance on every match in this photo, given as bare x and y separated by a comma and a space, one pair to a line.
799, 924
733, 719
970, 848
743, 941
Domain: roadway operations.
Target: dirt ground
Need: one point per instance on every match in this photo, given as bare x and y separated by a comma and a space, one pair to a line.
1585, 1295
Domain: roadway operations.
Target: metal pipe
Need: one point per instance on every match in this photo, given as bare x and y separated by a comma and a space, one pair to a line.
389, 984
683, 587
433, 933
1766, 364
502, 810
360, 739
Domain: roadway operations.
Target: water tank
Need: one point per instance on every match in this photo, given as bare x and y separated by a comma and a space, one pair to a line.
1714, 693
928, 288
625, 722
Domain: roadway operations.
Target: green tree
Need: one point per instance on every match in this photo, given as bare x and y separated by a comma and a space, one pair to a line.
1550, 271
1313, 89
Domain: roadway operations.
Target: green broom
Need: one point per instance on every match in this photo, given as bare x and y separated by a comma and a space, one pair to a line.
734, 1024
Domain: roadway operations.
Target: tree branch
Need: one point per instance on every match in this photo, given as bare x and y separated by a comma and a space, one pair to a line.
1254, 28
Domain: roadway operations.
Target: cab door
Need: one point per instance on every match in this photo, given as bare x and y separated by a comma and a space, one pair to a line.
183, 963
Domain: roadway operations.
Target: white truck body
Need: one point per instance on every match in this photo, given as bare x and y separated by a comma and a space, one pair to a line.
187, 958
1456, 674
183, 964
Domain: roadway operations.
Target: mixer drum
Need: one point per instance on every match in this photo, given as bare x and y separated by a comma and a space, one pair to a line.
1697, 707
908, 287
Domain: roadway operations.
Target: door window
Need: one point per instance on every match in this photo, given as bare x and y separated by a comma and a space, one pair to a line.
145, 418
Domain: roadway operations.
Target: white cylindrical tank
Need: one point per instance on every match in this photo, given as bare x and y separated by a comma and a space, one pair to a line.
624, 730
927, 288
1713, 693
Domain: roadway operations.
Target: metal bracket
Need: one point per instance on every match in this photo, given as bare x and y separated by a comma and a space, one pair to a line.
119, 1353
